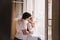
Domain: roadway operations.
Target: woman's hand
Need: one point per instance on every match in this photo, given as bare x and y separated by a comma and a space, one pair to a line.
31, 22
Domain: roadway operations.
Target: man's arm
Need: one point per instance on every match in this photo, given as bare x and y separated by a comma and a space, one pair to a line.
25, 32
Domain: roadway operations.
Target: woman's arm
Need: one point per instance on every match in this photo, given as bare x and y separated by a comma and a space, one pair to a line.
31, 22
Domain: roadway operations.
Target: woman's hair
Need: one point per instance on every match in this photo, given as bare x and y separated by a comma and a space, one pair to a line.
26, 15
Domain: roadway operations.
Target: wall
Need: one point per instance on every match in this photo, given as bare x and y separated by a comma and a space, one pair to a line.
5, 19
59, 19
55, 21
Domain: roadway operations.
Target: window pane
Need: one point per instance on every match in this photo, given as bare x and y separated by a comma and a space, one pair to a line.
19, 9
49, 33
49, 22
49, 19
50, 9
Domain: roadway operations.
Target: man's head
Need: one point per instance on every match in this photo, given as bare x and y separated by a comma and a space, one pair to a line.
26, 15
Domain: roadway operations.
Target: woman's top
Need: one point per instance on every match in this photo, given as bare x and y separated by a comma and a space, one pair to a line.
30, 28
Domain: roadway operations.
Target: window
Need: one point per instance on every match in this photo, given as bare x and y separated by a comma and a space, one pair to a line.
19, 7
38, 12
37, 8
49, 19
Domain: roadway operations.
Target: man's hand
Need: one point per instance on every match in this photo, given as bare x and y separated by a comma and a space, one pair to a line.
25, 32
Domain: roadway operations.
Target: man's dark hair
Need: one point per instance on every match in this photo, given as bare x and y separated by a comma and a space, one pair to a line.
26, 15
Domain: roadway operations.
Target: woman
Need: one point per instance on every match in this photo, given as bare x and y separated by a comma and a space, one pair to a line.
30, 27
21, 28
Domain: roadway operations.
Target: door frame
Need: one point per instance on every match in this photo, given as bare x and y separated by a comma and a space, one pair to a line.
13, 22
